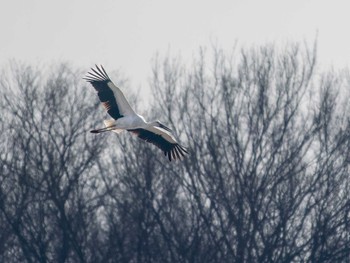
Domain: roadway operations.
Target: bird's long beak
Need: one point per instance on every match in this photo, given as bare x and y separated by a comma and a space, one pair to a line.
164, 127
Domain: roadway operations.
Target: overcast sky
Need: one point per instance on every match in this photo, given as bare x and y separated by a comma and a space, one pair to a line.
125, 35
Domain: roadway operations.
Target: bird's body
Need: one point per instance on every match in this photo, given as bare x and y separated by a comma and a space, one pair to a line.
125, 118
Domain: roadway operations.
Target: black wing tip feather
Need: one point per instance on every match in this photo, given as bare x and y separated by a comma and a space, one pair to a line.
97, 74
177, 152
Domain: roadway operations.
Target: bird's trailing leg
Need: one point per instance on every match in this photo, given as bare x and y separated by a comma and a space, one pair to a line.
111, 128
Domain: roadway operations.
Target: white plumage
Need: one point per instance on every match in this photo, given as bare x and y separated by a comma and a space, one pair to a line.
125, 118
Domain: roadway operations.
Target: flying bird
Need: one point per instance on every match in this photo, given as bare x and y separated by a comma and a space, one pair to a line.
125, 118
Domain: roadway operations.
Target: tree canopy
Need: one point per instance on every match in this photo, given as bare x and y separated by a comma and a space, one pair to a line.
266, 178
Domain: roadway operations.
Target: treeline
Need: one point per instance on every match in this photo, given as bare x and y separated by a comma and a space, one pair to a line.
266, 180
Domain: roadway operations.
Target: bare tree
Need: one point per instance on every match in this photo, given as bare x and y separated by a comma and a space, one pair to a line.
267, 175
46, 199
266, 179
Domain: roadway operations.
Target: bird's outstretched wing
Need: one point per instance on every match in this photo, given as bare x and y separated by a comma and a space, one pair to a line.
110, 95
163, 140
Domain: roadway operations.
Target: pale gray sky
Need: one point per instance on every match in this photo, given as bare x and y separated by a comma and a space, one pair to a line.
125, 35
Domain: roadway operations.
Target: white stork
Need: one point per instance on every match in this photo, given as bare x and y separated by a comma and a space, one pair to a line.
125, 118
